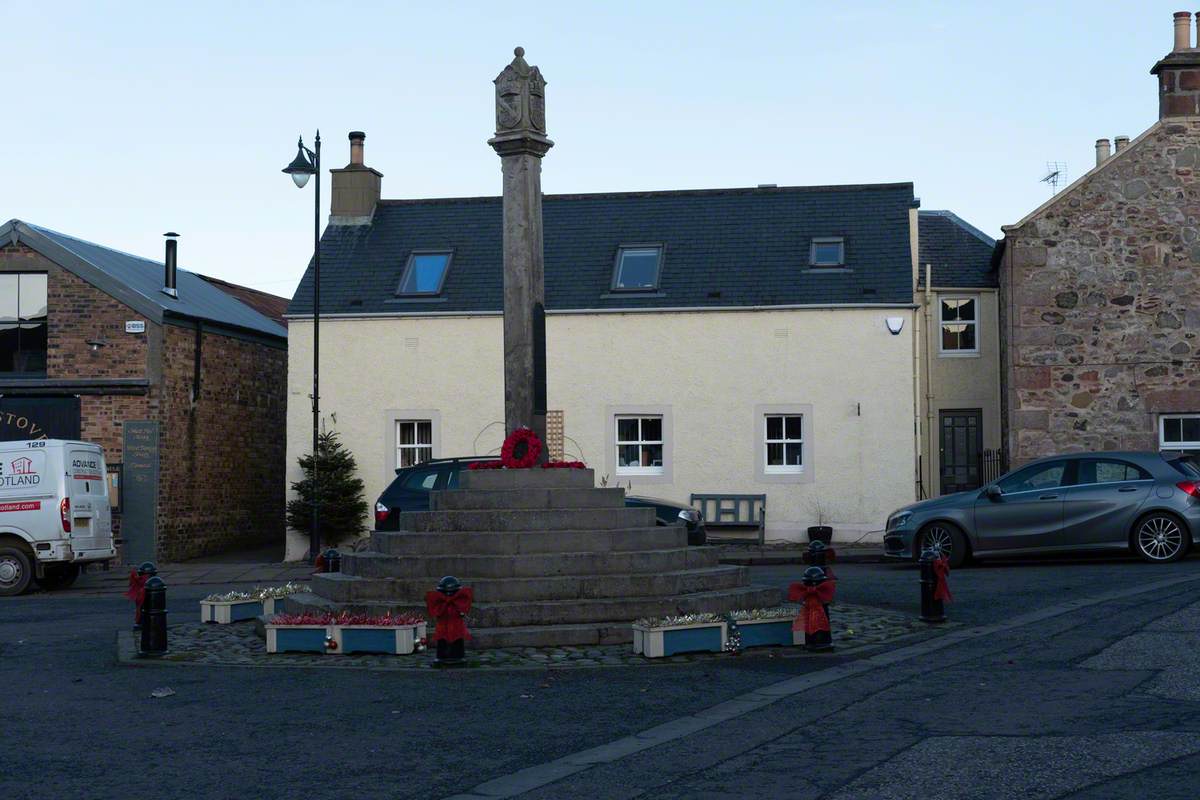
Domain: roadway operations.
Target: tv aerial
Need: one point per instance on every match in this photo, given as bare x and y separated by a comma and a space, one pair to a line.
1056, 174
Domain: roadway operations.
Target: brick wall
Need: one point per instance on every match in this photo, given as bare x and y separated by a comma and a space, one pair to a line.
1101, 304
79, 312
222, 457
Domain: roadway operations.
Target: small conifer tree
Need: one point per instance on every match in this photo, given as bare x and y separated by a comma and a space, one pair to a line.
339, 493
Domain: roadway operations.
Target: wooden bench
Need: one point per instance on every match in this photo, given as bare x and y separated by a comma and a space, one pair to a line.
733, 511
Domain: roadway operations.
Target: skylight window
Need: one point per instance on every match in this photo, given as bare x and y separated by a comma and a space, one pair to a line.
637, 267
425, 273
828, 252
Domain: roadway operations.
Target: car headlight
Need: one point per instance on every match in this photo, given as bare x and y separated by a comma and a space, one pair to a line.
899, 520
689, 515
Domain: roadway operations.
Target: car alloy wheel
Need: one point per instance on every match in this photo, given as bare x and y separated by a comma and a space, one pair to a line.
1159, 538
946, 539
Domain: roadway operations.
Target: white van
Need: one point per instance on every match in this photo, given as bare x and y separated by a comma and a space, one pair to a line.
54, 512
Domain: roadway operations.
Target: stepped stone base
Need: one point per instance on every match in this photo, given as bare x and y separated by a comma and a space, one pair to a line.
552, 561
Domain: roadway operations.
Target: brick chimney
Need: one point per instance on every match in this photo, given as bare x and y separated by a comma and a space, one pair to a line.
356, 187
1179, 73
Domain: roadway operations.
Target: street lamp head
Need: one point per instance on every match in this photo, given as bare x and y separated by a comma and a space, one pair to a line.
301, 169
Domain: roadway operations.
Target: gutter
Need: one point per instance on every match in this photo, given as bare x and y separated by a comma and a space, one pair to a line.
584, 311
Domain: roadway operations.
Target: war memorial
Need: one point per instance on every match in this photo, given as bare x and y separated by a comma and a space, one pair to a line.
551, 558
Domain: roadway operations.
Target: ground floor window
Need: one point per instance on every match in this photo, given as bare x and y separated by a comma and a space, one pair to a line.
639, 445
414, 441
1179, 431
783, 443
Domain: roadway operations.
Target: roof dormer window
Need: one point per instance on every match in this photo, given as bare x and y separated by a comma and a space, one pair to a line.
425, 272
829, 251
637, 268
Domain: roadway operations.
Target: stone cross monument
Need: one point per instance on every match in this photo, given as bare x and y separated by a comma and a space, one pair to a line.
521, 141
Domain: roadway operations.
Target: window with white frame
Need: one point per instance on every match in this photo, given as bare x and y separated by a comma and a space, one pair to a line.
414, 441
639, 445
783, 443
1179, 431
959, 320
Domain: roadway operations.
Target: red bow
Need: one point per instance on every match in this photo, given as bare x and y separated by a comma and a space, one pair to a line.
449, 610
812, 617
941, 590
137, 592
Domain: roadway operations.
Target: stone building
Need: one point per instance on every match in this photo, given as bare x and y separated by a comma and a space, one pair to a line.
1100, 291
179, 381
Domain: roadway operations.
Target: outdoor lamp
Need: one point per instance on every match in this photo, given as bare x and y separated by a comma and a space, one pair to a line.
301, 169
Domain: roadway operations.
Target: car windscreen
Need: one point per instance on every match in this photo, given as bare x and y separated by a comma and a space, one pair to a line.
1186, 466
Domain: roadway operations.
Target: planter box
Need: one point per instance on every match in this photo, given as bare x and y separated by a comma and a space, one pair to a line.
658, 642
388, 639
398, 640
224, 612
767, 632
297, 638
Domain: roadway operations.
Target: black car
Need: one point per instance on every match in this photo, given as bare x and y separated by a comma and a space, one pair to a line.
410, 492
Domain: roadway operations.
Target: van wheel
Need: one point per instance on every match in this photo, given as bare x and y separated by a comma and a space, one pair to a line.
15, 571
58, 576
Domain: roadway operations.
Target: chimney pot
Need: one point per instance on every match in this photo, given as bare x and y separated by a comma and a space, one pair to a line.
356, 147
1121, 142
1102, 151
1183, 31
169, 265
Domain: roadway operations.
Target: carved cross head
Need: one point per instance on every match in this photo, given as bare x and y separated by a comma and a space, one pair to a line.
520, 97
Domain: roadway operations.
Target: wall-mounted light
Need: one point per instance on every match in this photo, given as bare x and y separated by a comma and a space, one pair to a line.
96, 344
895, 325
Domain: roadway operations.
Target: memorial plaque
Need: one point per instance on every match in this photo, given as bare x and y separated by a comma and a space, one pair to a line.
139, 495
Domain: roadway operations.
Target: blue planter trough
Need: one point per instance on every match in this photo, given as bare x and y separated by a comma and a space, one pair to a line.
224, 612
298, 638
767, 632
667, 641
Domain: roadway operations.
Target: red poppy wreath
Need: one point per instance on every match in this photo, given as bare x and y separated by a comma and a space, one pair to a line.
521, 449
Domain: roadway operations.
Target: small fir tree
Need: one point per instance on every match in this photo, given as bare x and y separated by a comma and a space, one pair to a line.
339, 493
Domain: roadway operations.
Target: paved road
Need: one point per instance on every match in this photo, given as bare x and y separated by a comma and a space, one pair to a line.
1085, 703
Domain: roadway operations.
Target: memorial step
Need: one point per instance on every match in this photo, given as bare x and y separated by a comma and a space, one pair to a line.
503, 479
481, 500
343, 588
370, 564
560, 612
484, 542
528, 519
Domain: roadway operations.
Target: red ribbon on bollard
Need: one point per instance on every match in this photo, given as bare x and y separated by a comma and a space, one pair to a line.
137, 592
941, 569
449, 610
812, 617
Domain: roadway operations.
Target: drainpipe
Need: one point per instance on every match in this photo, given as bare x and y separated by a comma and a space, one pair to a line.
929, 396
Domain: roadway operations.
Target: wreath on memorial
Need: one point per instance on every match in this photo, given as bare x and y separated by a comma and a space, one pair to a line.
521, 449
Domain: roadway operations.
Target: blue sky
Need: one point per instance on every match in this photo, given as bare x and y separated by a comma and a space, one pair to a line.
125, 120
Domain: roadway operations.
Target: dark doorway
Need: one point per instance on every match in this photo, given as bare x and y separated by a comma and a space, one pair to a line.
38, 418
961, 441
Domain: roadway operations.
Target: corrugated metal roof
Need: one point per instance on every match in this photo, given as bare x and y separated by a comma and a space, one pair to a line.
139, 281
725, 247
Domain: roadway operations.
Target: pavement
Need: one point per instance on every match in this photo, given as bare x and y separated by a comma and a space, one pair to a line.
1065, 678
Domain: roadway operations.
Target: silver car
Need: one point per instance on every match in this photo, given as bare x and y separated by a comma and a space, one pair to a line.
1147, 502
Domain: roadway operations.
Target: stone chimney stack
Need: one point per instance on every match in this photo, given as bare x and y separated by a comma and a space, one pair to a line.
1102, 151
356, 187
1179, 73
1120, 143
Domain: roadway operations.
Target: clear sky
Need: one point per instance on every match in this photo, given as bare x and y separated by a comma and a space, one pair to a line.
124, 120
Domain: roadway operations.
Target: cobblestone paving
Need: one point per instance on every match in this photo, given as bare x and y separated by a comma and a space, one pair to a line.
854, 628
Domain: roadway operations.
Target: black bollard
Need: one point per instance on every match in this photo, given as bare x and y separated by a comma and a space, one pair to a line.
819, 640
154, 619
932, 610
147, 570
333, 560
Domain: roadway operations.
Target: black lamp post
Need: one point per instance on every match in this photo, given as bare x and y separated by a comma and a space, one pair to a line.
301, 169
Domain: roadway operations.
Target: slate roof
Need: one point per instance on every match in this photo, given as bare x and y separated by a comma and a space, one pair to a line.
723, 248
137, 281
960, 253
